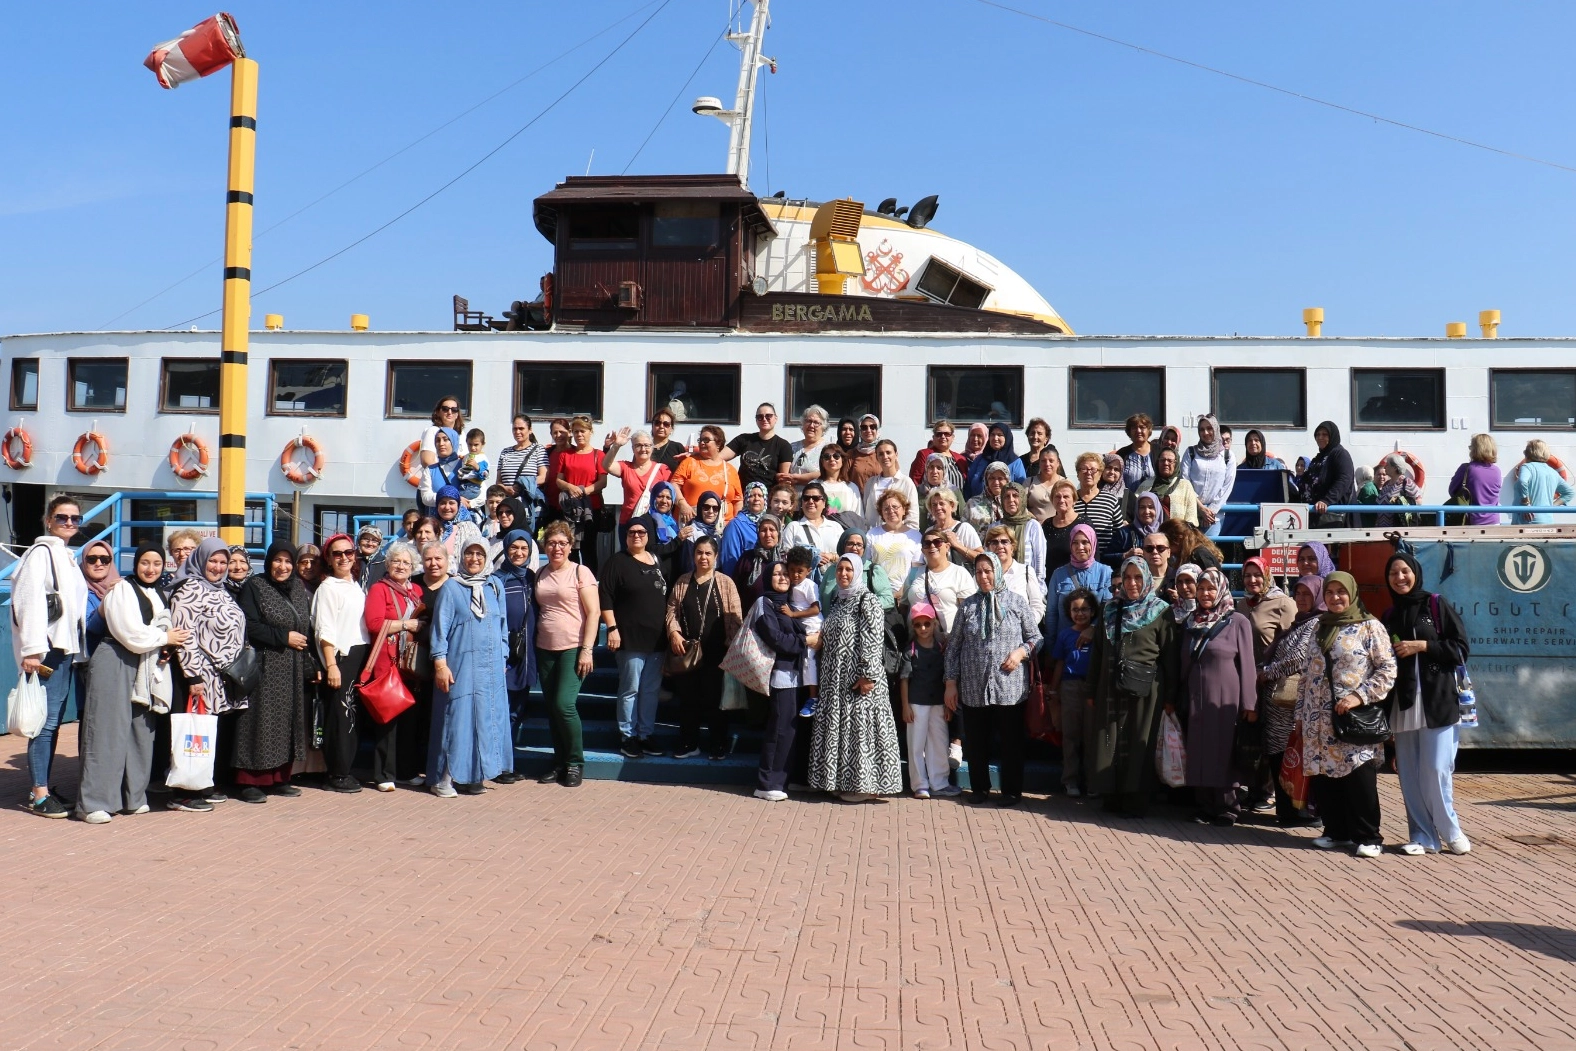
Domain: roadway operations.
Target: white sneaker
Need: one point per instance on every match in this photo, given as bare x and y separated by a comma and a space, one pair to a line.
1460, 845
1367, 850
143, 809
1412, 850
101, 817
771, 795
385, 786
947, 792
1072, 792
955, 754
443, 789
1326, 843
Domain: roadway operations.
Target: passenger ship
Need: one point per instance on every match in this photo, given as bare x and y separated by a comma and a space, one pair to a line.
693, 292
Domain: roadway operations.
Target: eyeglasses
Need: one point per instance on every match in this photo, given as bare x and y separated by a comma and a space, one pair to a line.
1000, 541
97, 560
1156, 548
73, 520
344, 552
704, 441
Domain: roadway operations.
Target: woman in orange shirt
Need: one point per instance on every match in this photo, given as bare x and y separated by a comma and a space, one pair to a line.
707, 470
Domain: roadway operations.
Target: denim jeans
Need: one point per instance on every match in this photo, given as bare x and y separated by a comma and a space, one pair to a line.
1426, 762
57, 691
639, 682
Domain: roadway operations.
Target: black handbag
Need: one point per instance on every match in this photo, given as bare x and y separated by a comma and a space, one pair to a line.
518, 650
243, 674
1364, 724
1133, 677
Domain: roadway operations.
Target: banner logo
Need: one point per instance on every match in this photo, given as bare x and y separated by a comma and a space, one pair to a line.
199, 744
1524, 568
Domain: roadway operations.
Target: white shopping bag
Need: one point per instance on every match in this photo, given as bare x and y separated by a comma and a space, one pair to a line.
27, 706
193, 737
1171, 753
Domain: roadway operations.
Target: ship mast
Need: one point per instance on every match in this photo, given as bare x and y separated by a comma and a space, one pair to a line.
740, 119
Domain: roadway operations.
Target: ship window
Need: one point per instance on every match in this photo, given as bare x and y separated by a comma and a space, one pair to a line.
416, 386
162, 518
976, 394
604, 228
1387, 398
1261, 397
558, 388
306, 388
1102, 397
190, 385
328, 519
684, 224
694, 393
1526, 399
97, 384
842, 390
947, 284
24, 384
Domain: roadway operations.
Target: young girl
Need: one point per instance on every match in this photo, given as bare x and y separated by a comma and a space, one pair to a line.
1070, 682
923, 682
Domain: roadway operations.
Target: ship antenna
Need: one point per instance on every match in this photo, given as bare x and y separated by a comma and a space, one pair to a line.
742, 116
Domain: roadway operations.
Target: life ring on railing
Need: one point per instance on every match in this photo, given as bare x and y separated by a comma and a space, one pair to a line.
1553, 461
298, 472
412, 473
1418, 474
99, 461
183, 468
17, 463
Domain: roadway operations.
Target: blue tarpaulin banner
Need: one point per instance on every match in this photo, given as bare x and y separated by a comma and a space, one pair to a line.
1516, 599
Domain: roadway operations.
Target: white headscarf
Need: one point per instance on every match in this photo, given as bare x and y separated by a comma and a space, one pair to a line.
859, 576
477, 582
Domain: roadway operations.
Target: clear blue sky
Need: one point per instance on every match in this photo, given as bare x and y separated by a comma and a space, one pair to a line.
1138, 195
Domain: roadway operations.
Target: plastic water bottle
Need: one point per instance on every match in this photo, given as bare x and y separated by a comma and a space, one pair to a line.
1467, 698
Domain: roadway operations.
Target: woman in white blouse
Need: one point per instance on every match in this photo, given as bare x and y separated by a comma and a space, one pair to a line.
940, 581
338, 609
1209, 469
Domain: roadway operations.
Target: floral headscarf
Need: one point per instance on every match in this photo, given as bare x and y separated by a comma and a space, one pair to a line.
1204, 619
1123, 617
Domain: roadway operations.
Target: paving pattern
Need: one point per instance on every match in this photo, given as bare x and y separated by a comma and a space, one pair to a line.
627, 916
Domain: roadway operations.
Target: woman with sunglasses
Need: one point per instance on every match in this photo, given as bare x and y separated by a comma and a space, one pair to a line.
634, 600
865, 464
338, 623
841, 498
941, 436
446, 413
49, 639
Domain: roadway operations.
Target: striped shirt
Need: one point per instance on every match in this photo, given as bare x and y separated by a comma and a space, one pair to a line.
1104, 513
513, 462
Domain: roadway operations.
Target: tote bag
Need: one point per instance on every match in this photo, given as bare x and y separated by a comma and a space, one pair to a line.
193, 735
384, 696
1171, 753
748, 660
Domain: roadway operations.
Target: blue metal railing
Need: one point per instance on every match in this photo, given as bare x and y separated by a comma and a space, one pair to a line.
115, 509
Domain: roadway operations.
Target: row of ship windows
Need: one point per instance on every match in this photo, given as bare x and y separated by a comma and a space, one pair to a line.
1099, 397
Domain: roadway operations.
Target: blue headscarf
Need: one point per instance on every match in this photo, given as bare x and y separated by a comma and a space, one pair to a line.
667, 528
715, 528
509, 571
1005, 454
454, 445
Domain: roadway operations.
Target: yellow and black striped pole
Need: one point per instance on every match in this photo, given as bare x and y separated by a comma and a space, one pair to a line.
237, 301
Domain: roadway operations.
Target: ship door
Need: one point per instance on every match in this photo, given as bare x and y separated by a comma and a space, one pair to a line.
685, 278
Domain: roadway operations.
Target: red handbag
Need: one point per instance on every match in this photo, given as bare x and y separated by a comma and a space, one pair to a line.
1037, 708
385, 696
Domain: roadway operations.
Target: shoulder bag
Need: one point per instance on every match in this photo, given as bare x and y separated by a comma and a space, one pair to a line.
385, 696
689, 660
1134, 677
1365, 724
241, 675
52, 603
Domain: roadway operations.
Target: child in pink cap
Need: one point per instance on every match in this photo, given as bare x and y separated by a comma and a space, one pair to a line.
923, 680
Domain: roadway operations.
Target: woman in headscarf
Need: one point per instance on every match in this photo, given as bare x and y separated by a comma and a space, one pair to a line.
750, 575
394, 604
1271, 612
510, 515
1186, 583
939, 472
1111, 480
1221, 682
998, 449
309, 565
1354, 665
973, 451
1040, 503
1279, 677
217, 627
1170, 438
1028, 539
1313, 560
1015, 576
877, 582
1255, 453
1135, 671
785, 637
470, 703
707, 523
1177, 498
442, 473
97, 567
1399, 488
1082, 570
240, 570
271, 735
339, 628
128, 682
518, 577
994, 636
847, 442
738, 536
1208, 467
455, 527
865, 464
985, 508
854, 750
1329, 478
1148, 516
634, 599
703, 612
1424, 708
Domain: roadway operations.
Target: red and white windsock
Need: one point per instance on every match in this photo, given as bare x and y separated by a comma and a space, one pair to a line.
205, 48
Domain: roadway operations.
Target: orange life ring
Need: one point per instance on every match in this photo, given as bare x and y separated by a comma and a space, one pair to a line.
298, 472
412, 473
184, 469
1418, 474
17, 463
1553, 461
99, 462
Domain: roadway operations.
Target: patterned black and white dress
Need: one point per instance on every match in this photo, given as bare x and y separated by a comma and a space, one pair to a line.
854, 747
218, 634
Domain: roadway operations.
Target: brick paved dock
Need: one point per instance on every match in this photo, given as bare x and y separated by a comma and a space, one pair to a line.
651, 916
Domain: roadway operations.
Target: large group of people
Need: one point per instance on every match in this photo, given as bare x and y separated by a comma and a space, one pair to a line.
939, 600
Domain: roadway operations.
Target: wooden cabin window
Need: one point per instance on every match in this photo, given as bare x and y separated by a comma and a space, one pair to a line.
24, 384
1386, 399
414, 387
976, 394
96, 384
1267, 398
694, 393
558, 388
842, 390
604, 228
189, 385
306, 388
685, 224
1532, 399
1106, 397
